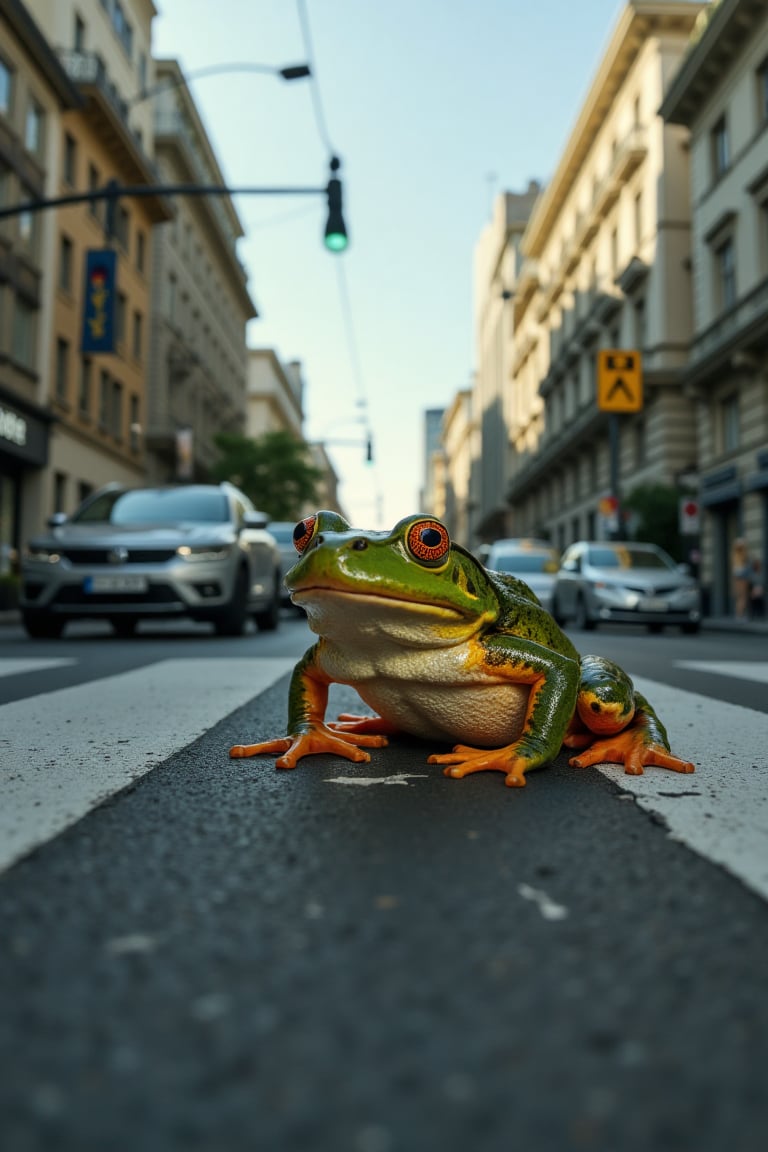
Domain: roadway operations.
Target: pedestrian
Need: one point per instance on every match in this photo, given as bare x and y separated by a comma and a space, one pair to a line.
741, 575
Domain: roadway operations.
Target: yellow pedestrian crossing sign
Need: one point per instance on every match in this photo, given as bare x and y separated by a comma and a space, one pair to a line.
619, 380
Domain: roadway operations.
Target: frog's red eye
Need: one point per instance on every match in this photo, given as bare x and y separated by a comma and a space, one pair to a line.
428, 542
303, 533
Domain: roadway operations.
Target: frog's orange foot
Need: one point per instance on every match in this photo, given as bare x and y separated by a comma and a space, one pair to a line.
463, 761
312, 743
634, 751
376, 725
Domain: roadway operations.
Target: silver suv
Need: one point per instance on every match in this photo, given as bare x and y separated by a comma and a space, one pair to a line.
198, 550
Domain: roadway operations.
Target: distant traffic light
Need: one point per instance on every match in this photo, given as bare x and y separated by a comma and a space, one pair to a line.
369, 449
336, 239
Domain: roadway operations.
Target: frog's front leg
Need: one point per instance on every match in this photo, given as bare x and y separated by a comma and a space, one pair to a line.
629, 731
308, 734
554, 681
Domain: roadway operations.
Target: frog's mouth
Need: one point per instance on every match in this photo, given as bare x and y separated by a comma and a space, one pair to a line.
355, 619
379, 600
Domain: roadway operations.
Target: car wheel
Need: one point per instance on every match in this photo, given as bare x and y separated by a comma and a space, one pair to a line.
42, 625
691, 629
230, 620
581, 619
268, 620
124, 626
655, 627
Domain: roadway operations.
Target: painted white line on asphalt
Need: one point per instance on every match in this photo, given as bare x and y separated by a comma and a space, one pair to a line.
366, 781
721, 810
756, 670
9, 667
548, 908
64, 752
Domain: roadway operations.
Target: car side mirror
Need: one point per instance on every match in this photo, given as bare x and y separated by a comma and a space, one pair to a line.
255, 520
57, 519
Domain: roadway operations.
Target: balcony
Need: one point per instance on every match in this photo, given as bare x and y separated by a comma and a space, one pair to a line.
741, 328
630, 154
527, 283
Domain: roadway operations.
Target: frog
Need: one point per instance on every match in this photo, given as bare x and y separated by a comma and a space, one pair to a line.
442, 649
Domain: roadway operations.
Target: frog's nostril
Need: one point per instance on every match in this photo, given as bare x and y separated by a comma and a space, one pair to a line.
360, 544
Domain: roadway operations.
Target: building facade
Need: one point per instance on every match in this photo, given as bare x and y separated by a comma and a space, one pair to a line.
275, 394
720, 95
606, 265
34, 92
200, 299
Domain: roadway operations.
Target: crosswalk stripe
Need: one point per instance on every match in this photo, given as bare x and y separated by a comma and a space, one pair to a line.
64, 752
721, 811
10, 667
756, 670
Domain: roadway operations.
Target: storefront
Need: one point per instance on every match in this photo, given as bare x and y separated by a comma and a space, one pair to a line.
23, 449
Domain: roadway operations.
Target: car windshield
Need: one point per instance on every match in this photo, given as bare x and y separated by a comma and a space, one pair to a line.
156, 506
283, 533
625, 556
524, 562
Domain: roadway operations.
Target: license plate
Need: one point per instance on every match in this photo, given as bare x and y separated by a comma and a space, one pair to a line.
653, 604
115, 584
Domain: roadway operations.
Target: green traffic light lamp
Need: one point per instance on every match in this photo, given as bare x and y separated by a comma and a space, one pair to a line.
336, 237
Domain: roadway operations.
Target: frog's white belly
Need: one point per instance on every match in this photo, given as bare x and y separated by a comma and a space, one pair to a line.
435, 694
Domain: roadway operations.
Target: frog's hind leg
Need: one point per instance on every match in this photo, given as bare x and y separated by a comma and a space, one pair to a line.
643, 741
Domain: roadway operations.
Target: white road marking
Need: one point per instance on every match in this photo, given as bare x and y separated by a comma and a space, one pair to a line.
756, 670
365, 781
64, 752
721, 810
9, 667
548, 908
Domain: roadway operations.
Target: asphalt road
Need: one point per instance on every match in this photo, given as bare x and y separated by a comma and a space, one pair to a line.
223, 956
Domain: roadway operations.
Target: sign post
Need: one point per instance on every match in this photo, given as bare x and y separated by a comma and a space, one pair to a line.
619, 390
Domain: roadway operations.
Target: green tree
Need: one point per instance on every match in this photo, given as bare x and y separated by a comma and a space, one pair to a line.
656, 507
274, 470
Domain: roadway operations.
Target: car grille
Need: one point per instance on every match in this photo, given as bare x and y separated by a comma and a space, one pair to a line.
88, 557
657, 590
155, 594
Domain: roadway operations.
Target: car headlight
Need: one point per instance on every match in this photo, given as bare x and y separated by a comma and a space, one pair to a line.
42, 555
203, 552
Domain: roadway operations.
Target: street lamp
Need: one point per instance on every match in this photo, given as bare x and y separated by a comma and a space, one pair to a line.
288, 72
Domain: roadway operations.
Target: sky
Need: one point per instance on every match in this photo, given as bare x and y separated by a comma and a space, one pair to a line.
433, 108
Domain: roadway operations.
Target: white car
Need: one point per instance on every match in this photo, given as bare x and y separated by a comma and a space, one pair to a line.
197, 550
533, 561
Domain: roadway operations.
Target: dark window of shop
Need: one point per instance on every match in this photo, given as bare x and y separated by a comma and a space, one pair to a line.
66, 264
62, 370
59, 492
70, 160
84, 396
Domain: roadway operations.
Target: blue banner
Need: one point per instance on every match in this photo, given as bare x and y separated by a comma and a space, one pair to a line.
99, 300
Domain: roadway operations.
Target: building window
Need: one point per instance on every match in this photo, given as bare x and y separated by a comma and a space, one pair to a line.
614, 251
172, 304
762, 92
721, 148
79, 37
23, 340
138, 335
729, 423
66, 264
725, 256
638, 219
62, 369
640, 323
141, 251
33, 129
117, 410
135, 426
120, 311
84, 399
94, 206
29, 232
6, 89
122, 227
103, 399
70, 160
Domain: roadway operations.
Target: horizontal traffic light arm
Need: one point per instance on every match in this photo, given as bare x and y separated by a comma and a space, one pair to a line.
128, 191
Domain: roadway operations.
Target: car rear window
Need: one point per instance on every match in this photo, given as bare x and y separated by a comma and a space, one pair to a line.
153, 506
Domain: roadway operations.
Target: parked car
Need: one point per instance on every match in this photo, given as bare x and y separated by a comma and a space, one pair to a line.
198, 550
627, 583
534, 561
283, 530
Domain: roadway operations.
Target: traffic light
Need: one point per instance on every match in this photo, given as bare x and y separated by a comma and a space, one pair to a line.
369, 449
336, 238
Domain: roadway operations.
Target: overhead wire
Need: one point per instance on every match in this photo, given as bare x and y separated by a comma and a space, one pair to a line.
346, 303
